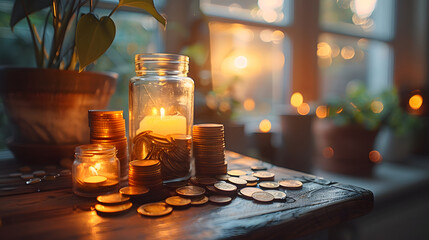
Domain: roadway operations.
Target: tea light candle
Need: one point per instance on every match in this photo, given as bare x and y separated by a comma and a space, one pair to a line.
162, 124
94, 180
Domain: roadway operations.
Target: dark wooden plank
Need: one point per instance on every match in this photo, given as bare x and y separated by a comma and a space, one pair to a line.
61, 215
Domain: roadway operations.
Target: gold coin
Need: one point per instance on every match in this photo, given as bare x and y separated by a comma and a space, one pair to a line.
239, 182
206, 180
236, 173
220, 199
33, 181
199, 200
252, 184
113, 208
263, 197
39, 174
114, 198
144, 163
264, 175
258, 168
133, 190
190, 191
278, 195
225, 187
27, 176
178, 201
248, 191
94, 180
249, 178
223, 177
291, 184
155, 209
269, 185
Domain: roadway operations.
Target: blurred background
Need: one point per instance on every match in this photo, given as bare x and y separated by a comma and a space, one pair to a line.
298, 84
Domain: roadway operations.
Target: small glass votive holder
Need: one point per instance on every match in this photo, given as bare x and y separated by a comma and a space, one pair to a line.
95, 170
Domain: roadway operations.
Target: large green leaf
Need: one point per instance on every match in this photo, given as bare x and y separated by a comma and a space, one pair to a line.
26, 7
146, 5
93, 38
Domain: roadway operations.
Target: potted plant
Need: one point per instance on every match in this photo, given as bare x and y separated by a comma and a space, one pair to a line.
345, 138
47, 106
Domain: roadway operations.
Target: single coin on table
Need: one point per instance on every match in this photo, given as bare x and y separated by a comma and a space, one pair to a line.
190, 191
134, 191
264, 175
249, 179
248, 191
236, 173
155, 209
39, 173
33, 181
27, 177
258, 168
239, 182
199, 200
178, 201
291, 184
113, 198
225, 187
269, 185
263, 197
220, 199
112, 209
278, 195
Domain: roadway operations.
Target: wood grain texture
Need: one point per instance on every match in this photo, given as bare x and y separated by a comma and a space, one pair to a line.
58, 214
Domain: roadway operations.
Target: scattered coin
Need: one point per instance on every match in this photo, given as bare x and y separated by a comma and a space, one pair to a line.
176, 184
133, 190
155, 209
27, 176
291, 184
239, 182
220, 199
263, 197
278, 195
50, 177
248, 191
190, 191
15, 174
199, 200
39, 174
206, 180
264, 175
65, 172
114, 198
25, 169
258, 168
113, 209
249, 178
213, 190
225, 187
236, 173
269, 185
252, 184
94, 180
33, 181
223, 177
178, 201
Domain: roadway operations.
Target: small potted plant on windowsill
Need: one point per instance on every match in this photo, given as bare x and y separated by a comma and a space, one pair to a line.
47, 106
345, 138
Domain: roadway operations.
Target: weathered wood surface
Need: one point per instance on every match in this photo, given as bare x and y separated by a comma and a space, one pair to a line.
58, 214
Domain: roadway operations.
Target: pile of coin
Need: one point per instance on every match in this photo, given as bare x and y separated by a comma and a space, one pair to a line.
209, 149
145, 173
108, 127
112, 204
173, 151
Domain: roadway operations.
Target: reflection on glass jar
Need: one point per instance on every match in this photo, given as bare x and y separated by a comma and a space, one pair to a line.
95, 170
161, 110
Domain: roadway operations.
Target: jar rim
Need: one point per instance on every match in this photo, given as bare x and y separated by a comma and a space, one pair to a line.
161, 57
89, 150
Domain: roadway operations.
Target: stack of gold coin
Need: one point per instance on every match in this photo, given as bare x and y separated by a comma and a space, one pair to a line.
209, 149
145, 173
108, 127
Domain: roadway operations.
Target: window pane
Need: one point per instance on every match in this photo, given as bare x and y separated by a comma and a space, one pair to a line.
276, 12
248, 65
371, 18
343, 59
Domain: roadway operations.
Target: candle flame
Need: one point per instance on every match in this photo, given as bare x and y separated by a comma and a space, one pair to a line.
162, 112
93, 170
154, 111
265, 125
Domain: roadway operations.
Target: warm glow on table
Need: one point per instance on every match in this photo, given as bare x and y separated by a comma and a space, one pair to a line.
164, 125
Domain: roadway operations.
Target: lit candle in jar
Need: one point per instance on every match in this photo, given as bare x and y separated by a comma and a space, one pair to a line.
163, 124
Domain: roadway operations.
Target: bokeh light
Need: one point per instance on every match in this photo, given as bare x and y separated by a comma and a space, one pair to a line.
321, 112
265, 125
328, 152
377, 106
296, 99
240, 62
249, 104
347, 52
303, 109
375, 156
416, 101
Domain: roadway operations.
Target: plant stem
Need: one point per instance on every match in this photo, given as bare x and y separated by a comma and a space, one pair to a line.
33, 37
114, 10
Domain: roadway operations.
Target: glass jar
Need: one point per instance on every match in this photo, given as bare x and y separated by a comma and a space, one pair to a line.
161, 113
95, 170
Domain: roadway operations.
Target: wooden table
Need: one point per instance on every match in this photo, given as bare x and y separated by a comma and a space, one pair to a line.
49, 210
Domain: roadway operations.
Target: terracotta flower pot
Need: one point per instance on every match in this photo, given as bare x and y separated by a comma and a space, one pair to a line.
48, 109
343, 149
